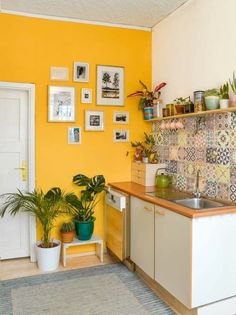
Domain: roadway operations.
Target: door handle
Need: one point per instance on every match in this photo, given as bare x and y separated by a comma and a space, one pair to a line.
146, 208
159, 212
23, 170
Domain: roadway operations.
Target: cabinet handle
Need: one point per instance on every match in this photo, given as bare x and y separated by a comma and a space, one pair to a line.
159, 212
147, 208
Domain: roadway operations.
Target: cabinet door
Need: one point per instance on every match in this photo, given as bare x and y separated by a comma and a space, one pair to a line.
172, 253
142, 235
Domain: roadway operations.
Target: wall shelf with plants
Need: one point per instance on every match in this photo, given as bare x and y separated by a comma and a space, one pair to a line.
202, 113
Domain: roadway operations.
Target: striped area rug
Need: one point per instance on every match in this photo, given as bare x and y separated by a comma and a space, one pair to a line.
102, 290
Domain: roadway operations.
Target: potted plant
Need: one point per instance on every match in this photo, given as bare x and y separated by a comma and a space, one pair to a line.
84, 206
233, 87
47, 208
148, 98
67, 231
224, 95
146, 149
212, 99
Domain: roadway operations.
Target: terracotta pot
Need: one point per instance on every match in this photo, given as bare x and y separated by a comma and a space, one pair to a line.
67, 237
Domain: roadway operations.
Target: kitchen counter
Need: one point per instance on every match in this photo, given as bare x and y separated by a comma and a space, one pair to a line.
140, 191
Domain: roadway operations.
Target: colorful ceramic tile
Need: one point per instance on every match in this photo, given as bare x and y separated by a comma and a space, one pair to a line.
222, 138
182, 138
166, 152
211, 155
180, 182
189, 169
200, 139
190, 124
233, 192
159, 138
222, 121
232, 135
233, 121
181, 153
172, 167
201, 154
189, 154
173, 138
165, 135
223, 156
223, 191
190, 184
210, 171
222, 174
173, 152
180, 168
211, 188
191, 137
210, 138
232, 174
210, 122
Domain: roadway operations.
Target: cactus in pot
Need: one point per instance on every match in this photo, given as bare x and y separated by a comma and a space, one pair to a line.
224, 95
67, 231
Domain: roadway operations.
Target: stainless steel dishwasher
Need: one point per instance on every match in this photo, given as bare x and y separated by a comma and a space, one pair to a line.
117, 224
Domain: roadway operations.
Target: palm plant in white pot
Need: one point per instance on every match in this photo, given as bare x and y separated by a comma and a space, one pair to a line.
47, 208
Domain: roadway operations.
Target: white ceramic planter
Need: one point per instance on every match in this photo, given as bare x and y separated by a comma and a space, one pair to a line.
212, 102
224, 103
233, 100
48, 258
145, 160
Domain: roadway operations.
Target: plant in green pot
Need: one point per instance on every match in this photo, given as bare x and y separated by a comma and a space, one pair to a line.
212, 99
224, 95
47, 207
233, 88
84, 206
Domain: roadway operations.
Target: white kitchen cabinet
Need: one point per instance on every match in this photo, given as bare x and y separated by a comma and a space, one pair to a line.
142, 235
173, 253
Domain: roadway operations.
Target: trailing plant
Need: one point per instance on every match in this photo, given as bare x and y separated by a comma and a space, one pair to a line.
146, 96
212, 92
67, 227
83, 206
233, 83
224, 91
46, 207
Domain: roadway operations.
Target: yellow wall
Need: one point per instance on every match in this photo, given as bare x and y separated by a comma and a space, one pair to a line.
29, 46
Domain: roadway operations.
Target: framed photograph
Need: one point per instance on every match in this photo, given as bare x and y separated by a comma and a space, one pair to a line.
110, 85
120, 135
74, 135
86, 96
61, 103
59, 73
81, 71
120, 117
94, 120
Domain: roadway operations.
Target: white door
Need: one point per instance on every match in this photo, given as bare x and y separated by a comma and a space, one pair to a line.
14, 168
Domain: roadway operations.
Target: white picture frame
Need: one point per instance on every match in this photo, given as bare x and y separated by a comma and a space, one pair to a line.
61, 103
94, 120
81, 72
110, 85
86, 96
59, 73
120, 135
74, 135
121, 118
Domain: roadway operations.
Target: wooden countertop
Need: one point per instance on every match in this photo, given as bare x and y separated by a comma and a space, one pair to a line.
140, 191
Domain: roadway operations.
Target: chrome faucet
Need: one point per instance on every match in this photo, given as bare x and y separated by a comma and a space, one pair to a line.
197, 193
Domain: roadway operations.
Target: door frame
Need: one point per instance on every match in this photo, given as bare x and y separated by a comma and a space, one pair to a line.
30, 89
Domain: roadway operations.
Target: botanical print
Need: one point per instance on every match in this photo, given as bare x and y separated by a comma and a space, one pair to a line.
61, 104
110, 85
74, 135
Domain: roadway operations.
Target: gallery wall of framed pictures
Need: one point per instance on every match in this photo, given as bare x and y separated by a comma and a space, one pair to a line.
62, 100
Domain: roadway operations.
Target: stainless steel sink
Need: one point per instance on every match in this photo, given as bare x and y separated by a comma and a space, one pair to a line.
198, 203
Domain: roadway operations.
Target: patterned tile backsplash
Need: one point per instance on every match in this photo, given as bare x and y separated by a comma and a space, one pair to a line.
206, 143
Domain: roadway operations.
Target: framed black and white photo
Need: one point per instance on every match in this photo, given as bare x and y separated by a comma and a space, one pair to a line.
74, 135
86, 96
120, 135
59, 73
61, 103
110, 85
81, 71
120, 117
94, 120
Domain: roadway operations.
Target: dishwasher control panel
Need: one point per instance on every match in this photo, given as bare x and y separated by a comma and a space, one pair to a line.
116, 200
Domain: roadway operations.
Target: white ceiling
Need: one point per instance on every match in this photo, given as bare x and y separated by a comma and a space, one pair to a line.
137, 13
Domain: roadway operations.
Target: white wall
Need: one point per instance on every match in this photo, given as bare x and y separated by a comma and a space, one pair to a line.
195, 47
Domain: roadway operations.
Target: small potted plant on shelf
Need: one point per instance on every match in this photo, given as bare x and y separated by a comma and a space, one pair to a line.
224, 95
47, 207
212, 99
84, 206
233, 87
147, 149
67, 231
148, 98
